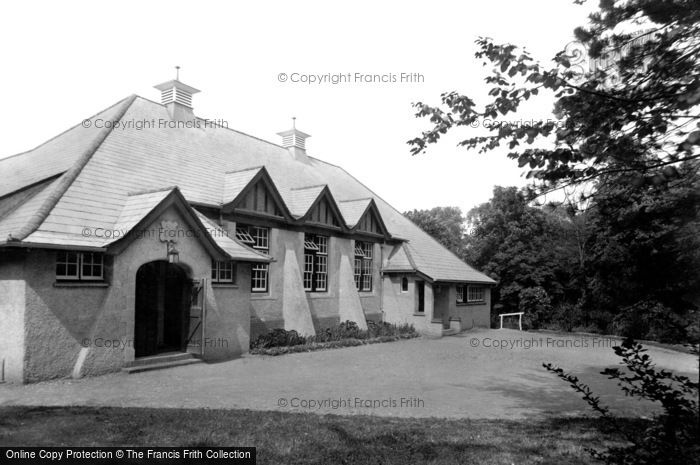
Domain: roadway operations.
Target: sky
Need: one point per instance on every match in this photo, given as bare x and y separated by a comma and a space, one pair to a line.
61, 62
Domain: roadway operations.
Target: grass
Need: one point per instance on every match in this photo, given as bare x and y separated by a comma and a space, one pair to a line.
307, 438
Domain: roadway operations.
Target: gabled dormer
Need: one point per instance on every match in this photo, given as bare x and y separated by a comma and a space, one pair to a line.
253, 192
316, 205
362, 216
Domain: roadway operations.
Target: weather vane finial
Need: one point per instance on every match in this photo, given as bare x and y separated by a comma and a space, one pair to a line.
177, 73
294, 122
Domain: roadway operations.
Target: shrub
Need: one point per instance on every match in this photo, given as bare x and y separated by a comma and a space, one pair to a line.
537, 306
278, 338
671, 437
347, 330
651, 320
567, 316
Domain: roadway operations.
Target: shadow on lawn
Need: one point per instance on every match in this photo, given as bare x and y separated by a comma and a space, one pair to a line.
557, 399
283, 437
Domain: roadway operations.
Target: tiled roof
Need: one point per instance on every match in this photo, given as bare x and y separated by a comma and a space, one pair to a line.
353, 210
236, 181
300, 199
53, 156
230, 244
196, 160
137, 206
399, 260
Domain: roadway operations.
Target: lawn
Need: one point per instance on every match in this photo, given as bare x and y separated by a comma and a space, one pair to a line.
307, 438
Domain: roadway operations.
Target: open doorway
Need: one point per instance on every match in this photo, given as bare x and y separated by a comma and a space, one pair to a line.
161, 309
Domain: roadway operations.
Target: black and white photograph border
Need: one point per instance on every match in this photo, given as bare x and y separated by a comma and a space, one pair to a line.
367, 233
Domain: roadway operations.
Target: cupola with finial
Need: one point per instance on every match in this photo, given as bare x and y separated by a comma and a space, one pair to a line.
295, 141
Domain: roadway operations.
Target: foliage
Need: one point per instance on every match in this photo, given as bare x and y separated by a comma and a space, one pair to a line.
635, 116
314, 346
445, 224
278, 337
626, 265
347, 330
672, 436
643, 250
522, 248
568, 316
625, 250
537, 306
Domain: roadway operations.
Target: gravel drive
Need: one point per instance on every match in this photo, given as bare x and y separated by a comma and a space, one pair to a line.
476, 374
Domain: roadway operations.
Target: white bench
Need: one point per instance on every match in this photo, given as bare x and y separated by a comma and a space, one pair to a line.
520, 318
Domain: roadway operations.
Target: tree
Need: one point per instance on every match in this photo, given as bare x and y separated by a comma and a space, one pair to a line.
628, 136
642, 122
445, 224
524, 248
643, 257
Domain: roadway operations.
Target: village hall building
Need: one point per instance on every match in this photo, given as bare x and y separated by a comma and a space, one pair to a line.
148, 235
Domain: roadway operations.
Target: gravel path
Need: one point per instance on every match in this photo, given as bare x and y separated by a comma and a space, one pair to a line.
477, 374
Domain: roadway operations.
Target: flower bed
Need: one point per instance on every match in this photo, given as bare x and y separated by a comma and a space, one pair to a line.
281, 350
346, 334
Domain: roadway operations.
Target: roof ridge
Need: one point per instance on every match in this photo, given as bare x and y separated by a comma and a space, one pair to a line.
308, 187
63, 132
151, 191
220, 127
405, 246
356, 200
68, 177
245, 169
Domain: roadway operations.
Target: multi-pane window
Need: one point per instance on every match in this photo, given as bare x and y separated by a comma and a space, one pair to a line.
469, 294
358, 272
475, 294
85, 266
259, 279
257, 237
223, 272
243, 235
259, 240
460, 293
261, 237
363, 265
315, 263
